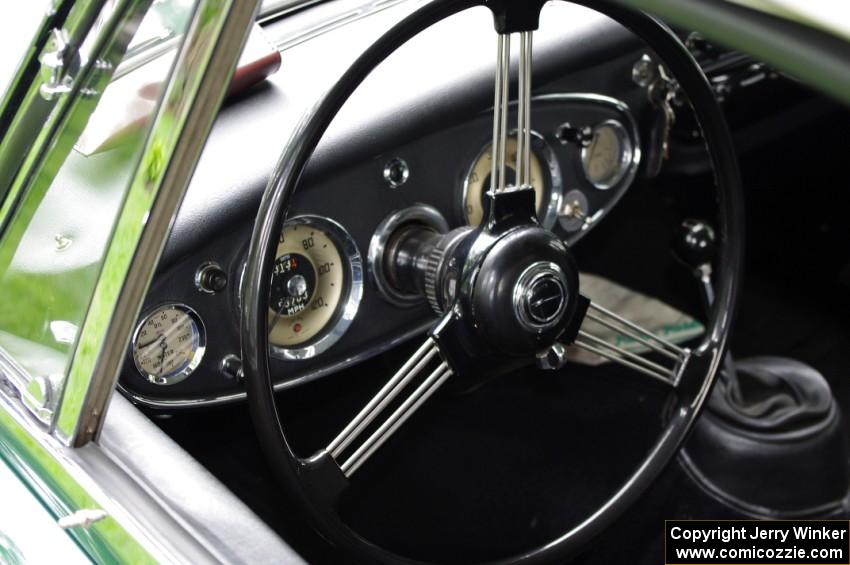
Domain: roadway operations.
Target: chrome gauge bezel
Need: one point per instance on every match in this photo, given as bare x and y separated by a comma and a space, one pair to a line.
349, 302
200, 346
628, 158
555, 187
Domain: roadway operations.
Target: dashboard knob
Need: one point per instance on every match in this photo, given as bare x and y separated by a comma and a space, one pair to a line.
210, 278
695, 243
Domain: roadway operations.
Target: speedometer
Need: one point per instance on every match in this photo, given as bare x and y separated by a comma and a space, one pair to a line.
317, 282
545, 178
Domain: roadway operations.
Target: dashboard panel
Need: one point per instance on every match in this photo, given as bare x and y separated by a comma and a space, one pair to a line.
413, 137
328, 308
411, 142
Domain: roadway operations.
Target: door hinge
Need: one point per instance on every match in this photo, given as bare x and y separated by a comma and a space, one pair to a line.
56, 73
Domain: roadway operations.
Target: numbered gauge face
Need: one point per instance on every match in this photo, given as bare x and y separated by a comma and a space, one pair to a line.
608, 157
477, 181
168, 344
316, 276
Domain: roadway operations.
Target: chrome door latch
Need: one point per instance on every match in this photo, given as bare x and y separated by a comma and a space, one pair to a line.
56, 74
82, 518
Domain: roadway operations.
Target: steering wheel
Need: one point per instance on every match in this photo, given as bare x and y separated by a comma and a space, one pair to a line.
507, 291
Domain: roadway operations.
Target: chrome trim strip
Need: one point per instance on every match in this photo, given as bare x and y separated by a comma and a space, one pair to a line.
200, 78
327, 25
205, 508
68, 479
183, 403
29, 123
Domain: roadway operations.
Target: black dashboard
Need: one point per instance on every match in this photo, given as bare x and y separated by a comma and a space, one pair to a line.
412, 144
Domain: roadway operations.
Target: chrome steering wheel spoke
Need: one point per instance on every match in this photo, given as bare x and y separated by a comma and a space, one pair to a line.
501, 109
523, 161
501, 105
667, 370
404, 393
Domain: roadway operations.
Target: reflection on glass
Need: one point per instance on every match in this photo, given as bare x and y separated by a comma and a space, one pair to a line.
53, 249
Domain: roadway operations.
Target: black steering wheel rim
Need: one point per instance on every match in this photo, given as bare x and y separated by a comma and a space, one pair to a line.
294, 471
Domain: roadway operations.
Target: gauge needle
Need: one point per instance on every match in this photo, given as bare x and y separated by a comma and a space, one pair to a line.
593, 142
274, 321
164, 346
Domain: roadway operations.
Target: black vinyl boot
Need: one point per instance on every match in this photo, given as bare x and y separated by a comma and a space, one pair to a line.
770, 441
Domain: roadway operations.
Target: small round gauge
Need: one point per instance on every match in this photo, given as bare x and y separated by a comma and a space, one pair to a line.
315, 289
608, 156
169, 344
545, 178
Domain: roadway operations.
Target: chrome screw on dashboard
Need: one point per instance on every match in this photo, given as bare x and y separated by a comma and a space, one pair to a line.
396, 172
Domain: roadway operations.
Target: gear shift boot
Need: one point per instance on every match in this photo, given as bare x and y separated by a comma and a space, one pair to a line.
770, 441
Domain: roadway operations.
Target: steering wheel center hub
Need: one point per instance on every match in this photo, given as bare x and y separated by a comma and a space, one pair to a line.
540, 296
523, 292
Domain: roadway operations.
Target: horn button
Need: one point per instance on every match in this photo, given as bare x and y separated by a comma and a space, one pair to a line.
540, 296
525, 291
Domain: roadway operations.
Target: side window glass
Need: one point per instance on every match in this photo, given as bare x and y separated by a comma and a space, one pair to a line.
54, 236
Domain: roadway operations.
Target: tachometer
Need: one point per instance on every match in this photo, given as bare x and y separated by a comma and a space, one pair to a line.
168, 344
545, 178
316, 287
